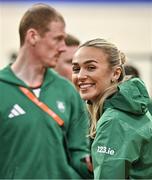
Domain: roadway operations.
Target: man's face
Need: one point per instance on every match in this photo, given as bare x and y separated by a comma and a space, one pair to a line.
64, 64
49, 46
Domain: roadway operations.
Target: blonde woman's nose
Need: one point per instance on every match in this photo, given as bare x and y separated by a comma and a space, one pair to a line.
82, 75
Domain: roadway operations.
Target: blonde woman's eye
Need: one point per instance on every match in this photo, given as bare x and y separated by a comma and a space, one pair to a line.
75, 69
91, 68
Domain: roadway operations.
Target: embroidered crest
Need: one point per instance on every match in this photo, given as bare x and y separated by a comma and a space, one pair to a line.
61, 106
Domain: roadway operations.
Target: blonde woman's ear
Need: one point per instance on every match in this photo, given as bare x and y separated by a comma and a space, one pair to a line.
117, 73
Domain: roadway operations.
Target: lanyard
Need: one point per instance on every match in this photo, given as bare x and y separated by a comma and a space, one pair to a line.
41, 105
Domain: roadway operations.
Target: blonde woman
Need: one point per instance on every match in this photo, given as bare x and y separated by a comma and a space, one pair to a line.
121, 124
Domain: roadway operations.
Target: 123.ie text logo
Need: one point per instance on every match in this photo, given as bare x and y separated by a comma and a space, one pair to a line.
105, 150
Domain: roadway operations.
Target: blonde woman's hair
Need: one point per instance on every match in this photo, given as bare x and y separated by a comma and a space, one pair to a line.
115, 58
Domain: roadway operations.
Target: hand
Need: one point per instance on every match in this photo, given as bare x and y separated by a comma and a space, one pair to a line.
88, 162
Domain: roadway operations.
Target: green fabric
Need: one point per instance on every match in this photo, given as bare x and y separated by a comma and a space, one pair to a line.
150, 106
32, 144
122, 148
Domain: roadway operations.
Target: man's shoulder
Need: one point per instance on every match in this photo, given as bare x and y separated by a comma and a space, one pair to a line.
4, 69
4, 73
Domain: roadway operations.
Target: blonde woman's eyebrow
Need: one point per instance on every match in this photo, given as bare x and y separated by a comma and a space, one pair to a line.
86, 62
90, 61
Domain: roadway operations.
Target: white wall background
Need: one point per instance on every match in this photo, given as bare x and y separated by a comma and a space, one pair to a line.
129, 26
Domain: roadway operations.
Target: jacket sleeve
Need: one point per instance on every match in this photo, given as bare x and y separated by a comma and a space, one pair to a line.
78, 141
115, 148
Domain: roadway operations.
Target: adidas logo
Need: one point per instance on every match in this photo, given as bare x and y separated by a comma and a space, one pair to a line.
16, 111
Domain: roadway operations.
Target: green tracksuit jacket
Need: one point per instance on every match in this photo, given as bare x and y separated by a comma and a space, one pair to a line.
150, 106
32, 144
122, 148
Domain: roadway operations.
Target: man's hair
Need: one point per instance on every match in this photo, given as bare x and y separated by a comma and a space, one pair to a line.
71, 40
38, 17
